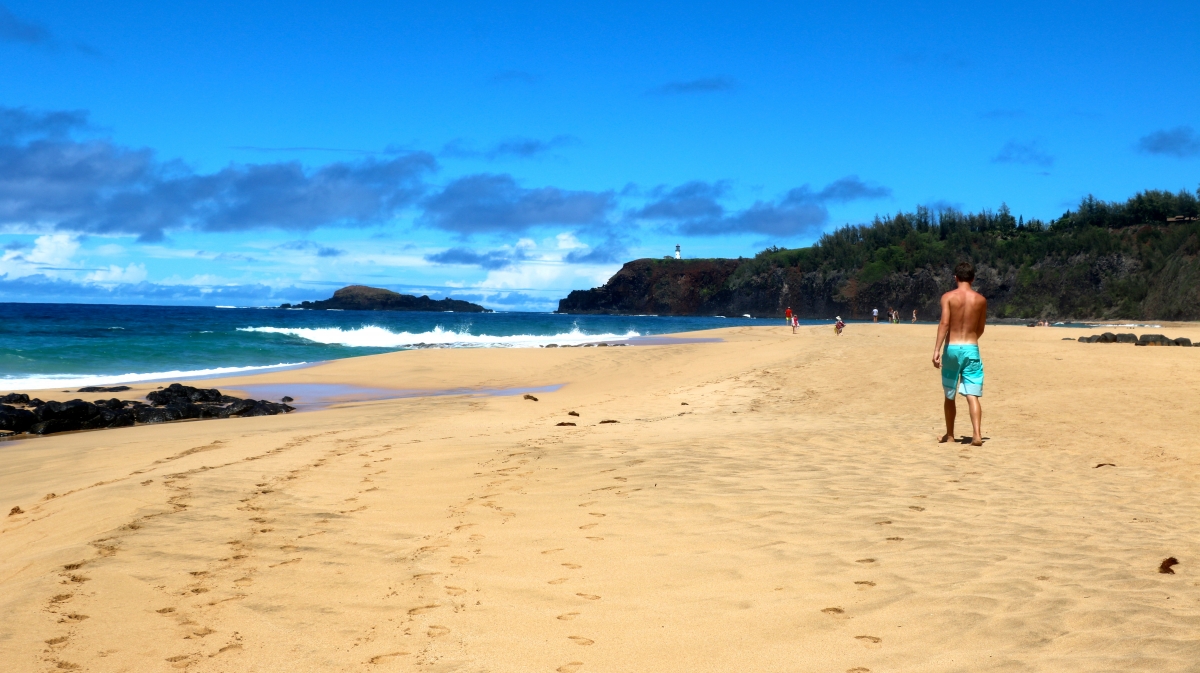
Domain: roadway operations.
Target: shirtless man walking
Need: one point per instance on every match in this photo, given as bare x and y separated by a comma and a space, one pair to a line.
964, 313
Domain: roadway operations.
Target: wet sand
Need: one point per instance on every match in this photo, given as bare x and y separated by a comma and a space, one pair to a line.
767, 503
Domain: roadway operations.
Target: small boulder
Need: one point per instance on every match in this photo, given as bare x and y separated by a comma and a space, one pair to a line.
565, 423
286, 398
530, 397
1127, 338
1183, 341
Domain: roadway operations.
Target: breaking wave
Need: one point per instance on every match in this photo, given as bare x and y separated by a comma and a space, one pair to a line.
373, 336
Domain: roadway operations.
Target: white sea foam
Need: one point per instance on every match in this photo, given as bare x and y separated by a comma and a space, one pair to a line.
373, 336
62, 381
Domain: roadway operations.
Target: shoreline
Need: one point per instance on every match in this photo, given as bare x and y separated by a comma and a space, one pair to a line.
760, 499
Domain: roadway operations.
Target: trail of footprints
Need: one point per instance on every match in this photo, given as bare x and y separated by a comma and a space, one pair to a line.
183, 608
870, 641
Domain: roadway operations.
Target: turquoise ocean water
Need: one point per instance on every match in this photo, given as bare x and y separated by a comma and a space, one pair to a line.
66, 345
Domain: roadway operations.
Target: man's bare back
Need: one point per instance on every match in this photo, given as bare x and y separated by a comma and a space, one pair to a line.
964, 316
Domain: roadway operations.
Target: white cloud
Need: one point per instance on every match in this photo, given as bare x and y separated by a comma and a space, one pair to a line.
134, 273
53, 249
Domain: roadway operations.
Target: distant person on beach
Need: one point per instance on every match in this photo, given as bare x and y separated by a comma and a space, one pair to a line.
839, 326
787, 316
914, 316
795, 323
956, 350
875, 314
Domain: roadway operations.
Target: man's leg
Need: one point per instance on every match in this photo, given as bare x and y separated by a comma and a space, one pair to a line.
976, 420
951, 412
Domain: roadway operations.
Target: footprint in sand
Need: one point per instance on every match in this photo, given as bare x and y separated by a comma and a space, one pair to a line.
586, 504
455, 591
895, 539
590, 597
858, 669
381, 658
567, 616
595, 539
465, 525
834, 611
551, 551
572, 566
597, 514
588, 526
916, 508
437, 631
580, 640
869, 641
865, 560
560, 580
56, 641
73, 617
882, 523
459, 560
570, 668
420, 610
865, 583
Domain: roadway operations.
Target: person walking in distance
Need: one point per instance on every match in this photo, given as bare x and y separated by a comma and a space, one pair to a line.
914, 316
875, 314
956, 350
787, 316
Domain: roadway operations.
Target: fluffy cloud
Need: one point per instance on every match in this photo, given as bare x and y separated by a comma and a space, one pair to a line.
1029, 153
512, 148
14, 29
695, 208
491, 203
1181, 142
50, 180
489, 259
115, 275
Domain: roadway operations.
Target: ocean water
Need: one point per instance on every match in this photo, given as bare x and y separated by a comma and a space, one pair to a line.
71, 345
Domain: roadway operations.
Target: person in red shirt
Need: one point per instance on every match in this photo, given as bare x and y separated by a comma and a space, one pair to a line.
787, 316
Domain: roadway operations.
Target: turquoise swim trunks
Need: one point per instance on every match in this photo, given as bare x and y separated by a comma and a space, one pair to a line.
962, 370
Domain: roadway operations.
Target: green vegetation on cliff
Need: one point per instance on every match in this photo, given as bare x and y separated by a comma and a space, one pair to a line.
1135, 260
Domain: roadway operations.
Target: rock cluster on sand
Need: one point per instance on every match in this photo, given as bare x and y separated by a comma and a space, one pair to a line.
174, 403
1127, 338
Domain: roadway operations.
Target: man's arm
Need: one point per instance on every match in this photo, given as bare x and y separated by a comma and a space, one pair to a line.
982, 318
943, 331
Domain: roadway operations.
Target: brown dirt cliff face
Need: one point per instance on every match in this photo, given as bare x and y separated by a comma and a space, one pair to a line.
661, 287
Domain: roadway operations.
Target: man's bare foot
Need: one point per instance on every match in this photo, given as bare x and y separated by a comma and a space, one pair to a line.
976, 441
945, 438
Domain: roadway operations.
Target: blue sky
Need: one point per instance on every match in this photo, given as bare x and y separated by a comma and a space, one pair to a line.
254, 153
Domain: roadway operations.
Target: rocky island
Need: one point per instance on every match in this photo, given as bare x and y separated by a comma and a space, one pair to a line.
363, 298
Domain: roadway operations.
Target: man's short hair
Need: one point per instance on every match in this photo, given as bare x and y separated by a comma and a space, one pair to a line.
964, 272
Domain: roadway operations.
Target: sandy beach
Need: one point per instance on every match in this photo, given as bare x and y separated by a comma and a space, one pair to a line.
771, 502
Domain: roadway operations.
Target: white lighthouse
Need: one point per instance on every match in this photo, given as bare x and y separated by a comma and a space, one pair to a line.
677, 256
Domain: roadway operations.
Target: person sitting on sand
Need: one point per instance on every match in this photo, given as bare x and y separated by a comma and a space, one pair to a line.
839, 326
964, 314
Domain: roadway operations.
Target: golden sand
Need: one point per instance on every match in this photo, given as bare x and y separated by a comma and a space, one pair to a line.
768, 503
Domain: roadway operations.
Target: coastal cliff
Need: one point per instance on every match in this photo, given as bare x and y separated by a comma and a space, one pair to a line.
363, 298
1136, 260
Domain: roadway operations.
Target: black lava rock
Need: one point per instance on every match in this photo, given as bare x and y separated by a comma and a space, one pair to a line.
181, 393
15, 398
16, 420
102, 389
286, 399
1127, 338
